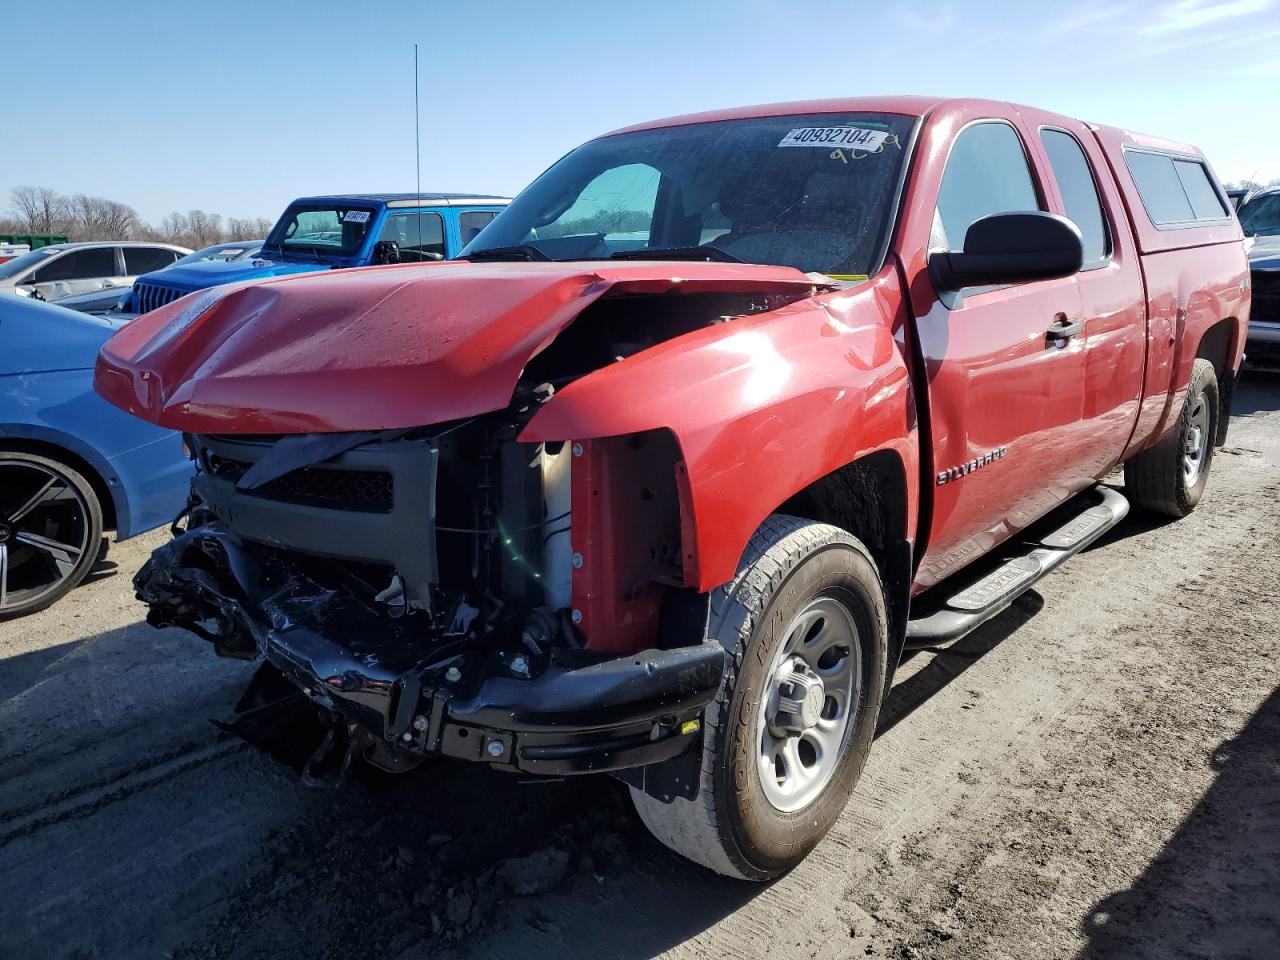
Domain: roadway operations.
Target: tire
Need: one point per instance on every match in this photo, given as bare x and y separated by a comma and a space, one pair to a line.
746, 822
50, 531
1159, 479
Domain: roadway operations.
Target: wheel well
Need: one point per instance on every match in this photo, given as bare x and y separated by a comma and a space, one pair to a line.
868, 498
1217, 346
77, 463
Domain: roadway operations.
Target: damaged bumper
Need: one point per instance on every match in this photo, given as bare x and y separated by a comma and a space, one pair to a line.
556, 712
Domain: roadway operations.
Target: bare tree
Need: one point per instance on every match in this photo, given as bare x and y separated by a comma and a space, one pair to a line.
96, 218
205, 228
39, 209
82, 217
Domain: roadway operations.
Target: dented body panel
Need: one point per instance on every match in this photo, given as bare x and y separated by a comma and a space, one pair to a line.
375, 348
807, 388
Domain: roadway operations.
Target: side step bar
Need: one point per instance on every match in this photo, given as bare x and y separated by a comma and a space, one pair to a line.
982, 599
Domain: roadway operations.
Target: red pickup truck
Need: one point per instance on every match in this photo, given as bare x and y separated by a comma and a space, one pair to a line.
717, 418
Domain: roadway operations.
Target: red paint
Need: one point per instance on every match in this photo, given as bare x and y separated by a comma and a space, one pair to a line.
758, 408
374, 348
804, 389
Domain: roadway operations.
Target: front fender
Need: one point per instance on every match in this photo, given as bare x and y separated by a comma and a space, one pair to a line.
761, 407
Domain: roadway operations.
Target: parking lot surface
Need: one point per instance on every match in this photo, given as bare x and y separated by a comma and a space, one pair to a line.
1096, 773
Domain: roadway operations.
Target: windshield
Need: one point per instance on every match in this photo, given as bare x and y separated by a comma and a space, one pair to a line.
1260, 217
11, 268
335, 230
811, 192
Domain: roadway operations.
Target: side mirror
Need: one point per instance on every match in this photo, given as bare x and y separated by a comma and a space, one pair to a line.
1011, 248
386, 251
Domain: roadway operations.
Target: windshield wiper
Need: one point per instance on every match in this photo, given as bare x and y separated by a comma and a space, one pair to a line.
519, 251
704, 252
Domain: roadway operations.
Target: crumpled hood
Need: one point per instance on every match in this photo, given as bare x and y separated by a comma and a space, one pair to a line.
211, 273
377, 347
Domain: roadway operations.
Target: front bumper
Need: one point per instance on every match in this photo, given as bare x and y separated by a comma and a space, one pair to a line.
563, 711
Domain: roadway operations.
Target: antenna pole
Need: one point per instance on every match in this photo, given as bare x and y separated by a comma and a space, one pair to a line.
417, 148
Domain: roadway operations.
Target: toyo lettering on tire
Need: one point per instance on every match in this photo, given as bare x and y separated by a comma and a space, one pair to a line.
786, 739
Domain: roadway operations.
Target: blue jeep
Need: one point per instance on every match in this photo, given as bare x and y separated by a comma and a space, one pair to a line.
324, 233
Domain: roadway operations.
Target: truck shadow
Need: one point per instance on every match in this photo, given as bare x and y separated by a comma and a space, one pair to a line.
1257, 392
446, 860
1213, 890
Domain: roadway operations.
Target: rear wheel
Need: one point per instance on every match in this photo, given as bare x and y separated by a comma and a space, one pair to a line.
50, 531
805, 626
1170, 477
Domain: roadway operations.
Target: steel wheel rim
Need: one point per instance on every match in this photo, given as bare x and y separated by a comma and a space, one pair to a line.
795, 765
44, 531
1195, 448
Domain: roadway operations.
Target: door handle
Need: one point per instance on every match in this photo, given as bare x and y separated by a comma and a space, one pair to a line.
1063, 329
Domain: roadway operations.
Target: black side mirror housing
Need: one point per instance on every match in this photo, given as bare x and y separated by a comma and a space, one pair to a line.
1004, 248
386, 251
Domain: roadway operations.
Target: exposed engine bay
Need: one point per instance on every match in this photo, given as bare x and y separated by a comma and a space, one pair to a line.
449, 589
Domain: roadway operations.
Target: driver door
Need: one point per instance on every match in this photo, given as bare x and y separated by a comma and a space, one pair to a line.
1005, 395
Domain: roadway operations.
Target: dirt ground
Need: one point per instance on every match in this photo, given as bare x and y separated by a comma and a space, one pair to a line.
1095, 774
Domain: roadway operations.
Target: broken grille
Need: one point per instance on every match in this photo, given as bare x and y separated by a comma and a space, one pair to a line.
369, 490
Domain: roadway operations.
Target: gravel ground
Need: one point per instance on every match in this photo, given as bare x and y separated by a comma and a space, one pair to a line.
1094, 774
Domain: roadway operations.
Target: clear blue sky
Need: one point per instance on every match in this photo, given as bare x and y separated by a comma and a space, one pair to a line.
235, 108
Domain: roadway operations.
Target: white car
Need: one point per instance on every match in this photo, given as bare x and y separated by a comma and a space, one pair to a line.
66, 269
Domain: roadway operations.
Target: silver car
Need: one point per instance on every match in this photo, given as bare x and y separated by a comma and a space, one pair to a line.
114, 298
67, 269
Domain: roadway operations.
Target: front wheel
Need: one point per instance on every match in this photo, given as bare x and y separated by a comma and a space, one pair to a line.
786, 739
50, 531
1170, 477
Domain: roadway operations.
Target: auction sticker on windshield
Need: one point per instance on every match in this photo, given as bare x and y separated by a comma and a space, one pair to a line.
356, 216
857, 137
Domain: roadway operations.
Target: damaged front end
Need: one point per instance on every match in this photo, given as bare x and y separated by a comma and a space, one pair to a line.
372, 516
415, 586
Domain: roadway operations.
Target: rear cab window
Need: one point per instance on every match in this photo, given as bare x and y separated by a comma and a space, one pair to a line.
1176, 191
1079, 190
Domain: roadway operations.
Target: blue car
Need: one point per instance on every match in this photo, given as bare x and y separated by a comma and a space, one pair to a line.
327, 233
72, 466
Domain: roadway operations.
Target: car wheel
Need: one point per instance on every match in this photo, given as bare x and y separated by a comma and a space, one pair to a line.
50, 531
805, 627
1170, 477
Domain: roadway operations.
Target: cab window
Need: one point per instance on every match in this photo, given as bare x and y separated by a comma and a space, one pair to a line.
986, 173
471, 222
1079, 192
420, 236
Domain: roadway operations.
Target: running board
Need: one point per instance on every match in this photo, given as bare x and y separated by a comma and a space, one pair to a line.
983, 598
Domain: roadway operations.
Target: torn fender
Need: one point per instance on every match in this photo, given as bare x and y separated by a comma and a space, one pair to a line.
375, 348
761, 408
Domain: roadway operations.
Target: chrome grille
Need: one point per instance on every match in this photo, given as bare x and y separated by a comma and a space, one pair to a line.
150, 296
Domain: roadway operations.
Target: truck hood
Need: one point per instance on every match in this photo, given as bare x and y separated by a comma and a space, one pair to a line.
211, 273
375, 348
